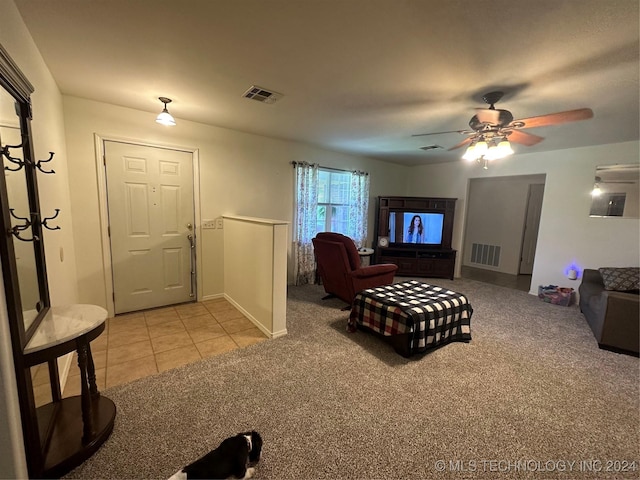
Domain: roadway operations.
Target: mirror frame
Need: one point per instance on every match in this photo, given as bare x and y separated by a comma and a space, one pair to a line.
622, 173
17, 85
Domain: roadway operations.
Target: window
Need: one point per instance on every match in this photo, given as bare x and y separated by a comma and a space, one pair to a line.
333, 202
327, 200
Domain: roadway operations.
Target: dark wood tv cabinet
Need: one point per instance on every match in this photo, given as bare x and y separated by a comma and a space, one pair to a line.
420, 263
415, 260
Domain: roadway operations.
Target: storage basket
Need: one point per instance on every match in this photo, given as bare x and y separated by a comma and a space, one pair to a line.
555, 295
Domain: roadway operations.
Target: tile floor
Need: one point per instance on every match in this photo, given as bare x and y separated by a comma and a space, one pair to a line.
139, 344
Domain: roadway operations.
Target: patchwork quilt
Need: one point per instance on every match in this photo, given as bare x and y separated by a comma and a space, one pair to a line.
430, 315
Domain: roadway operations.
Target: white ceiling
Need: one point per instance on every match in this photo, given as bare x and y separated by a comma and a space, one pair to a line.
359, 76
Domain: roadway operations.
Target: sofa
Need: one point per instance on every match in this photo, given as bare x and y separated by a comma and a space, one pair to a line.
610, 303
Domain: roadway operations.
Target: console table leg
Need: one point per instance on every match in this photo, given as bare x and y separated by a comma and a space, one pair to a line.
84, 393
91, 374
54, 380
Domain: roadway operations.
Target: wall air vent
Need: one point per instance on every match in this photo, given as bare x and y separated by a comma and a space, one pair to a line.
262, 95
485, 254
430, 147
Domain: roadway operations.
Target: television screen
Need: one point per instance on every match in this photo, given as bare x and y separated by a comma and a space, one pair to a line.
422, 228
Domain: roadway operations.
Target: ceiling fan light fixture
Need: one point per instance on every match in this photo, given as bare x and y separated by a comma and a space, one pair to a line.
470, 154
164, 117
492, 152
481, 148
504, 148
498, 150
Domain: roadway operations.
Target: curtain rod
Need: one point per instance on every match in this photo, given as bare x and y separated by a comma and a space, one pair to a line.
359, 172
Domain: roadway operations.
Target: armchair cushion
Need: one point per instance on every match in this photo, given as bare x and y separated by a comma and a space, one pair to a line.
352, 253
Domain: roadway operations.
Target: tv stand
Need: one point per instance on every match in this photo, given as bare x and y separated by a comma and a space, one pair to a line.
419, 262
416, 260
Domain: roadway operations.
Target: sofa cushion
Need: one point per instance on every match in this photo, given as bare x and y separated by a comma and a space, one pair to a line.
621, 279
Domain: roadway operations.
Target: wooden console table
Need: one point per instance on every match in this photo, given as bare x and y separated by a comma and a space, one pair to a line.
71, 429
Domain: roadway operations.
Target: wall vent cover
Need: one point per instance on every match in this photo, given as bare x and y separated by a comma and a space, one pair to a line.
262, 95
485, 254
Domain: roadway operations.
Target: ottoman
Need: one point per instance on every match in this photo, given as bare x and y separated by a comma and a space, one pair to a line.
414, 316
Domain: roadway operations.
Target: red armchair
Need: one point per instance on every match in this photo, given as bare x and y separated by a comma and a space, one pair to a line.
340, 270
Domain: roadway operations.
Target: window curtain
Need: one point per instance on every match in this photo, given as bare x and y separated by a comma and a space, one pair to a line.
306, 214
359, 207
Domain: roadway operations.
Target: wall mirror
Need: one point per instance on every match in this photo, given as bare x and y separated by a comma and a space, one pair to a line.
21, 246
18, 201
615, 192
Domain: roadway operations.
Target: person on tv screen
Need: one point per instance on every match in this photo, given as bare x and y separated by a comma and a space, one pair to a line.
415, 233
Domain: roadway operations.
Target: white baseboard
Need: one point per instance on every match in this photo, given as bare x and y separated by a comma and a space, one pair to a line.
253, 320
212, 297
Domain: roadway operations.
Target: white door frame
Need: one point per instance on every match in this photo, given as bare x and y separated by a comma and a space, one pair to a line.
99, 140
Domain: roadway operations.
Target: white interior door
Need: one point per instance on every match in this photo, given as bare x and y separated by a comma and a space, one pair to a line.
151, 218
532, 224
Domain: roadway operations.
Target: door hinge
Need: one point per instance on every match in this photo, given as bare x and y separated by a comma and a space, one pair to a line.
113, 295
109, 230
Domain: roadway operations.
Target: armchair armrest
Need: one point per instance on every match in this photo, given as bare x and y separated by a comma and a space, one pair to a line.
363, 273
371, 276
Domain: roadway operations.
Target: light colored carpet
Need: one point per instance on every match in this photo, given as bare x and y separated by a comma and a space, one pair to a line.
529, 395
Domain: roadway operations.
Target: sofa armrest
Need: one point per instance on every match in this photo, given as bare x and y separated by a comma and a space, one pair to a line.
621, 327
592, 276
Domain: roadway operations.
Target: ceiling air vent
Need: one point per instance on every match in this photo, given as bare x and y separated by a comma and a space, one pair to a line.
430, 147
262, 95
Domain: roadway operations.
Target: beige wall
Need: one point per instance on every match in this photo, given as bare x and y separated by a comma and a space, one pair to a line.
240, 174
48, 135
567, 234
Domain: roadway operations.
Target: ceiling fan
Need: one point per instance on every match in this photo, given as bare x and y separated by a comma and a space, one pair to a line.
494, 125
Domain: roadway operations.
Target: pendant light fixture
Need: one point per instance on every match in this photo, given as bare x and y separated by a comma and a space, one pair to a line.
165, 117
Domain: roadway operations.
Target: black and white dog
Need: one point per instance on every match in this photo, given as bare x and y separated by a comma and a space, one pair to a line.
229, 460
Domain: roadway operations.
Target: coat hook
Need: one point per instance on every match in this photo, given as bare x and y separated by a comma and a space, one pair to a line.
44, 222
51, 154
16, 160
15, 231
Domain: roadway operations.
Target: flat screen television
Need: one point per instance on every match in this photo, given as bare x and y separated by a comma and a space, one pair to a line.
416, 228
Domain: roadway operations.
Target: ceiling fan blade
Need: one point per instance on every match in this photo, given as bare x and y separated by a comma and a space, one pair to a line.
488, 115
556, 118
524, 138
464, 142
438, 133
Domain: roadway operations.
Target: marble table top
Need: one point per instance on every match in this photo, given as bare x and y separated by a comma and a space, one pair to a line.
64, 323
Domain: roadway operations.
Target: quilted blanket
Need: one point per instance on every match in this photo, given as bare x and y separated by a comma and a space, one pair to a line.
428, 314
